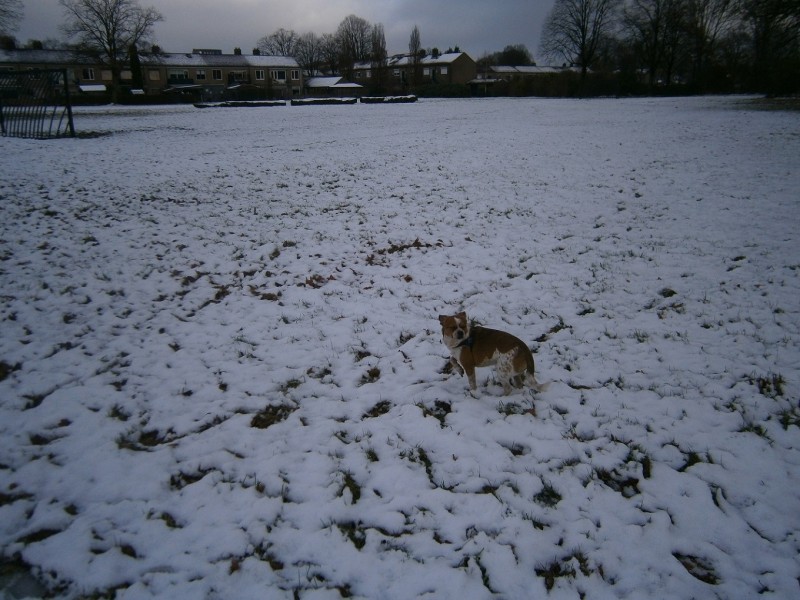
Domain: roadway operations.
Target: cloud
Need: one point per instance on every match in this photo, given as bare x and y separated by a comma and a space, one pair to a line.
476, 26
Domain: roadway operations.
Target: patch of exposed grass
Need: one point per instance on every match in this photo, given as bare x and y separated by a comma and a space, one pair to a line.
37, 536
439, 411
564, 567
790, 417
146, 440
290, 385
271, 415
553, 330
168, 519
351, 485
381, 408
693, 458
355, 532
770, 385
420, 456
371, 376
547, 496
7, 369
181, 479
14, 497
698, 567
627, 486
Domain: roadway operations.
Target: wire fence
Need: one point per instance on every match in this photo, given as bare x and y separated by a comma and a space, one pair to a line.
35, 104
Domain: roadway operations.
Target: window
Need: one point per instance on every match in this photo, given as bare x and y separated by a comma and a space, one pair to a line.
238, 76
106, 75
443, 70
88, 74
260, 74
154, 75
200, 75
396, 72
126, 75
369, 74
178, 75
279, 75
216, 74
295, 75
426, 71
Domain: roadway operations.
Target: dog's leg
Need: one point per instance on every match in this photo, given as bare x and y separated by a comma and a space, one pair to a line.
469, 370
456, 365
505, 371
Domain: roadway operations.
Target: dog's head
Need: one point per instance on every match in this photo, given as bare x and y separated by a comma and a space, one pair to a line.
455, 329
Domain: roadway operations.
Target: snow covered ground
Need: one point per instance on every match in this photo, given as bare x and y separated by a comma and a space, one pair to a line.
221, 372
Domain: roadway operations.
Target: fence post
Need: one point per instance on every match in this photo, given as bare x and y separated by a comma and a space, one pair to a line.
68, 102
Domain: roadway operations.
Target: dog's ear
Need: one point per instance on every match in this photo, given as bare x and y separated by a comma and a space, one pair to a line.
462, 315
442, 319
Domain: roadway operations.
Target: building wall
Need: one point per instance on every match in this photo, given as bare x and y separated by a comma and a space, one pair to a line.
399, 75
204, 76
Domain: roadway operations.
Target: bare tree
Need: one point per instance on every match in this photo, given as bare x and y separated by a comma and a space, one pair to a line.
330, 51
706, 22
774, 27
415, 55
355, 40
281, 43
575, 29
516, 55
309, 53
106, 29
379, 58
653, 27
10, 15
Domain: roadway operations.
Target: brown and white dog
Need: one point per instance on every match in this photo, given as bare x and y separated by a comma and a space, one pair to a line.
472, 347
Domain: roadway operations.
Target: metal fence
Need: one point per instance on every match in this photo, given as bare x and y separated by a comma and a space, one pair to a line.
35, 104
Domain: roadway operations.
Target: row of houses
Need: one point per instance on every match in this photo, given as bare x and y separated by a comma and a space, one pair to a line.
210, 75
197, 75
206, 74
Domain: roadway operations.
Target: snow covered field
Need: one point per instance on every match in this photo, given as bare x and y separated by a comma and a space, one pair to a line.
221, 372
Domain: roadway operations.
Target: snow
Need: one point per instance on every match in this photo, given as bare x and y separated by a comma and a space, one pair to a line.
222, 372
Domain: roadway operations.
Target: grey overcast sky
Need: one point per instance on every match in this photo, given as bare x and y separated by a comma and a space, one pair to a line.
476, 26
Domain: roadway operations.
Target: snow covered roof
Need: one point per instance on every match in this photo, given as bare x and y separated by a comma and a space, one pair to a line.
527, 70
404, 60
189, 59
322, 82
163, 59
43, 57
330, 82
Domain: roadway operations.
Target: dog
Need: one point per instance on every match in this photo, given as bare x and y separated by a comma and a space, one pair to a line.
472, 347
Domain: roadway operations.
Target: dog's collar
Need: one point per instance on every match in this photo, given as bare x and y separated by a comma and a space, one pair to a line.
467, 342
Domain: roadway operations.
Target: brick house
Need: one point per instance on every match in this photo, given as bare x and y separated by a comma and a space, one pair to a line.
450, 68
197, 75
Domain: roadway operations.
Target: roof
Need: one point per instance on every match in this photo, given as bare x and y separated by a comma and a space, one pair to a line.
528, 70
404, 60
322, 82
43, 57
189, 59
330, 82
162, 59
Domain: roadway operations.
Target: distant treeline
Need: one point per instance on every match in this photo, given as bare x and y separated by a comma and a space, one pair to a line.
669, 46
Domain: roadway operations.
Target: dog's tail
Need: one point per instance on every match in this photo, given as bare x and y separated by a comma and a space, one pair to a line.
530, 381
